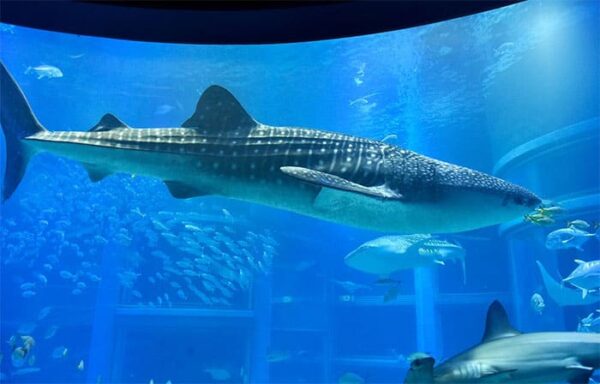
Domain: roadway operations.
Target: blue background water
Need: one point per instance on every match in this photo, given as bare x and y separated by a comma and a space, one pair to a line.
478, 91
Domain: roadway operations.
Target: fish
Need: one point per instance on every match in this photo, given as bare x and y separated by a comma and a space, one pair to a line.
45, 71
94, 278
537, 303
563, 295
28, 294
66, 275
218, 374
386, 255
278, 356
420, 370
60, 352
539, 219
80, 366
18, 356
28, 342
50, 332
27, 286
42, 279
221, 150
350, 378
509, 356
350, 286
362, 100
163, 109
585, 277
570, 237
590, 323
181, 294
579, 224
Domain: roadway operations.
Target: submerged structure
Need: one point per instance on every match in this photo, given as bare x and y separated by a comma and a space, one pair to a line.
139, 255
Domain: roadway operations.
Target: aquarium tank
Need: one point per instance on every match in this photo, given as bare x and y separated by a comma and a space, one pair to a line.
313, 212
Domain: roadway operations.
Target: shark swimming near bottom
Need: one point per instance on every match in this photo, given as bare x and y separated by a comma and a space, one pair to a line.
222, 150
506, 355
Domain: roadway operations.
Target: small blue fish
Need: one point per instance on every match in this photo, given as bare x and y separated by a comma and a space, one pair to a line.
163, 109
66, 274
45, 71
27, 286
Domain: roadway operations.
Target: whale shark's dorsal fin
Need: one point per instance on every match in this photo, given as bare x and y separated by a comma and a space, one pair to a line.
218, 110
108, 122
497, 325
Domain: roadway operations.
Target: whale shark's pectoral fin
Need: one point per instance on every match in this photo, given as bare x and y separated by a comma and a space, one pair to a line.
181, 190
579, 366
581, 375
327, 180
95, 173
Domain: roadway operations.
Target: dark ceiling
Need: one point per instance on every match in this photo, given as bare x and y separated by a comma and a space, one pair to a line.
234, 22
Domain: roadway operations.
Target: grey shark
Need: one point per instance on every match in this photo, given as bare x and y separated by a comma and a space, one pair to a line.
507, 356
222, 150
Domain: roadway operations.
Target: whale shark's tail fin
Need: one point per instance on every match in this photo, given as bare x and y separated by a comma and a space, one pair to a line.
17, 122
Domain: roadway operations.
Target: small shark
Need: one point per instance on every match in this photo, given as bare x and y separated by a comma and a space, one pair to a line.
222, 150
506, 355
386, 255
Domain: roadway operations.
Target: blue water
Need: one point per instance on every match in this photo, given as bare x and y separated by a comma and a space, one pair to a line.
115, 263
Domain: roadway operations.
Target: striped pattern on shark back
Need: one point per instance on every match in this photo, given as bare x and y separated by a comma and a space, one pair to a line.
262, 150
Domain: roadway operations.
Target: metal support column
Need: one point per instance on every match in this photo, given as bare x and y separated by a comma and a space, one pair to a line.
259, 370
425, 301
99, 362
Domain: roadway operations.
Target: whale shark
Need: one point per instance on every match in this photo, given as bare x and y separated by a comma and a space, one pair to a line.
221, 150
506, 355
